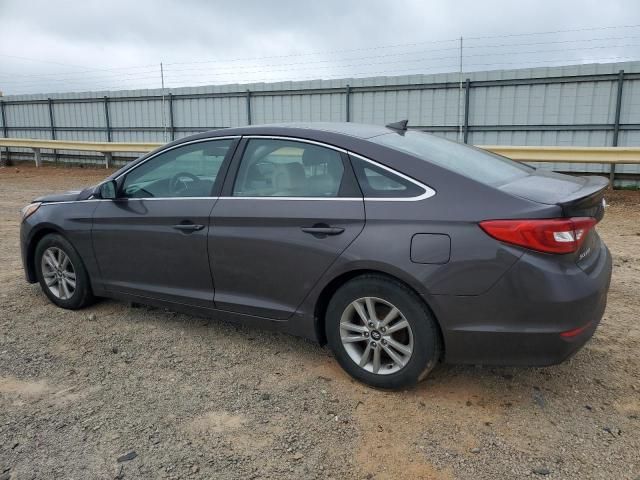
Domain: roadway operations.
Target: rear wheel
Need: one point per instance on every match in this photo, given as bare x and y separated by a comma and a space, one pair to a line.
382, 333
61, 273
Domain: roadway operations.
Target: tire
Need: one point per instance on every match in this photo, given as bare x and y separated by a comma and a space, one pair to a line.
412, 329
51, 276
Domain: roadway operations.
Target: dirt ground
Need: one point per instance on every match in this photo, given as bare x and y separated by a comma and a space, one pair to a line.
197, 398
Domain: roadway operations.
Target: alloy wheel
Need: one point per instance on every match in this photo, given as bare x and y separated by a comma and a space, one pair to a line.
376, 335
59, 273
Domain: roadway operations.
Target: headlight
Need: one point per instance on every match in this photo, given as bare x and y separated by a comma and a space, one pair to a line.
30, 210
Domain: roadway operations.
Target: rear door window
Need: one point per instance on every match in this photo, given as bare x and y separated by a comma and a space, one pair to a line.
285, 168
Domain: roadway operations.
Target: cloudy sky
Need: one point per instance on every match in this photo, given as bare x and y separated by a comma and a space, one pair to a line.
79, 45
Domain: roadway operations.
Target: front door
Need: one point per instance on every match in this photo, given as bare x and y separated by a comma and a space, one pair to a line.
152, 240
291, 210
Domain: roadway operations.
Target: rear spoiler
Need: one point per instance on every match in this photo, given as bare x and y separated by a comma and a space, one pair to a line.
586, 201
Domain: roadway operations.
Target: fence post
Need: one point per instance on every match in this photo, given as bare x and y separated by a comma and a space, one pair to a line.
52, 123
348, 102
5, 131
108, 159
467, 91
248, 107
616, 125
37, 156
172, 127
107, 120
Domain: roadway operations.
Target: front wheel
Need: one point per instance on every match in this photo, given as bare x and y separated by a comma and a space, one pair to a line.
61, 273
382, 333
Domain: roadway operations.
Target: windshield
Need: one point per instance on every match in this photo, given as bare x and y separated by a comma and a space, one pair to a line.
475, 163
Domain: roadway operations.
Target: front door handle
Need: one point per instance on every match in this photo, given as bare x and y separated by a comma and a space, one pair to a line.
323, 230
188, 227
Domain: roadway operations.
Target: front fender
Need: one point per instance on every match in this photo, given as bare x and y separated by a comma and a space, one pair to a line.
72, 220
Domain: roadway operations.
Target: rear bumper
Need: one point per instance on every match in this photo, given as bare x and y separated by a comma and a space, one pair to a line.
519, 321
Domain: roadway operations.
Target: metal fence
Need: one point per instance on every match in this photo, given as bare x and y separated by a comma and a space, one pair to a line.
585, 105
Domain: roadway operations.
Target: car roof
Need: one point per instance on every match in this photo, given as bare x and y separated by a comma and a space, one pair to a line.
357, 130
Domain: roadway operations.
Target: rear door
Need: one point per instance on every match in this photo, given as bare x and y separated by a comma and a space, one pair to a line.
151, 241
289, 208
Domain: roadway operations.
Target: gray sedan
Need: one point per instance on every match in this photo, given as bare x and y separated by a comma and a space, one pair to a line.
397, 248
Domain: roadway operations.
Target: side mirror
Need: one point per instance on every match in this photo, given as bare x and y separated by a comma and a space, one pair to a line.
107, 190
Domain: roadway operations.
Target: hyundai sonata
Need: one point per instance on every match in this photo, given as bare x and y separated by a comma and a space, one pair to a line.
397, 248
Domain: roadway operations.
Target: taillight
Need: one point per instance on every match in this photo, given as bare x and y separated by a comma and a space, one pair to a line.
575, 332
554, 235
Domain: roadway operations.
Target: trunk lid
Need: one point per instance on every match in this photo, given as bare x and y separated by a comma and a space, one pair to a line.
577, 196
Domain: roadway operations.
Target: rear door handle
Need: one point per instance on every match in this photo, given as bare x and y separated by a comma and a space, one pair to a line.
323, 230
188, 227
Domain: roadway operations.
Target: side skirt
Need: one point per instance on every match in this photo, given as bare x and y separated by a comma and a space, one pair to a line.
293, 325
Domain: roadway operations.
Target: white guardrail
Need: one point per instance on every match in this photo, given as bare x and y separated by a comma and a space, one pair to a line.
606, 155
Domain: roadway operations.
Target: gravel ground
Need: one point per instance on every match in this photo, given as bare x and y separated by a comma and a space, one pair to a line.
120, 392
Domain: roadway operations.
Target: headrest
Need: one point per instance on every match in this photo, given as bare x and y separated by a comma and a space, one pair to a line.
317, 156
288, 176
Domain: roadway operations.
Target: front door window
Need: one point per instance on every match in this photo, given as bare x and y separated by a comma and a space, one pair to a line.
186, 171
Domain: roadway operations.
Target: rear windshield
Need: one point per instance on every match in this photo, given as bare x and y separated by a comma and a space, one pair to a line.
472, 162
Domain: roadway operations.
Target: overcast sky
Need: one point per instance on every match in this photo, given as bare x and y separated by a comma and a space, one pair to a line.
52, 46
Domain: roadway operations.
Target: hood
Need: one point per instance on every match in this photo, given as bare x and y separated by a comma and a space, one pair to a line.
69, 196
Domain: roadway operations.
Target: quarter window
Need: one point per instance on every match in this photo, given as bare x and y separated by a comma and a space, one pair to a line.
187, 171
284, 168
377, 182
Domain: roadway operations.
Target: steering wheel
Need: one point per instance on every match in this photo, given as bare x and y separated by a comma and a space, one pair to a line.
181, 181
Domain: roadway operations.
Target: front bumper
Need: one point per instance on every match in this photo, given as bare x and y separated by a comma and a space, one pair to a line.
25, 230
519, 321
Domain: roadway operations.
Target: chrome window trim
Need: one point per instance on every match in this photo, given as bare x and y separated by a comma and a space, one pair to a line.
296, 139
128, 199
153, 199
345, 199
322, 199
428, 191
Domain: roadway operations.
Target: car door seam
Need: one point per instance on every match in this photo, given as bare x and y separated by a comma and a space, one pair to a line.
321, 276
